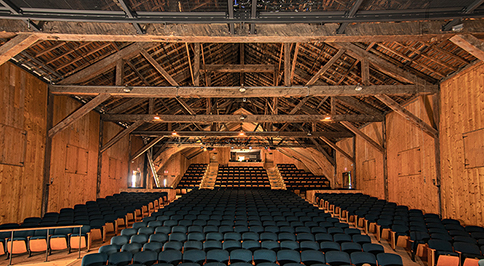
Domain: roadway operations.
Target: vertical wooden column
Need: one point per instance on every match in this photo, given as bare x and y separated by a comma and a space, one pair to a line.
47, 155
287, 64
385, 159
438, 170
242, 62
353, 179
335, 179
196, 65
99, 159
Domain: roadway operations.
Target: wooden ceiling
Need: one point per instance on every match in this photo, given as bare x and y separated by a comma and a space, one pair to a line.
268, 68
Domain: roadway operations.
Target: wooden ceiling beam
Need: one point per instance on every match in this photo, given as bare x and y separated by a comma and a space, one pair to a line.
294, 110
236, 134
470, 44
15, 46
238, 118
266, 33
360, 133
381, 64
250, 92
78, 114
408, 115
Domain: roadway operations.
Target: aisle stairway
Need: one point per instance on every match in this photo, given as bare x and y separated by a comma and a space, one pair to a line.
275, 178
210, 176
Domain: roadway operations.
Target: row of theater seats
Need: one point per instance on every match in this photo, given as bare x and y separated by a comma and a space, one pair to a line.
193, 176
296, 179
53, 231
242, 177
427, 233
253, 226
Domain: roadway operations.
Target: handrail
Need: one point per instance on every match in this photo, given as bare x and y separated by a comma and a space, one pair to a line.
47, 237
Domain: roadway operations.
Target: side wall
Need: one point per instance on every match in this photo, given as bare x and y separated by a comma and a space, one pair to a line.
23, 108
411, 161
74, 161
462, 108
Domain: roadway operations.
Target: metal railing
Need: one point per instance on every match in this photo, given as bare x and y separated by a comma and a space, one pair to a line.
46, 239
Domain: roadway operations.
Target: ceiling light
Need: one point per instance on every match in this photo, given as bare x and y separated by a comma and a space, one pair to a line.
174, 133
358, 87
309, 134
156, 117
242, 89
327, 118
250, 148
241, 133
127, 89
458, 27
242, 117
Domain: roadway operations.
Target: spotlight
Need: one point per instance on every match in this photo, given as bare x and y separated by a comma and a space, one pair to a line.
250, 147
458, 27
242, 117
358, 87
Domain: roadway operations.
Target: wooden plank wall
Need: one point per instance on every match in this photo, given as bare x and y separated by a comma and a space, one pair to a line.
415, 190
76, 187
23, 106
462, 108
406, 186
343, 164
114, 162
73, 187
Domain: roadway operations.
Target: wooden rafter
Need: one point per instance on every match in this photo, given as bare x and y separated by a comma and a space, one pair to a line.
381, 64
287, 64
101, 66
158, 67
294, 110
237, 68
408, 115
471, 44
359, 105
325, 67
15, 46
125, 106
78, 114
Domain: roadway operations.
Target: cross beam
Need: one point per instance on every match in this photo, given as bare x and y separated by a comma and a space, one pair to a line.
237, 134
248, 92
238, 118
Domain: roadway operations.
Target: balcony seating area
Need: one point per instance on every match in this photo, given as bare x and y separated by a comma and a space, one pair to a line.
193, 176
296, 179
242, 177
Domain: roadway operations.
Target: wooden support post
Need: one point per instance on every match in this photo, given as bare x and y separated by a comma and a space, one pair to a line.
365, 72
190, 64
294, 62
287, 64
119, 72
99, 159
242, 62
151, 106
438, 174
196, 65
47, 156
353, 179
358, 132
385, 158
120, 135
15, 46
408, 115
78, 114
